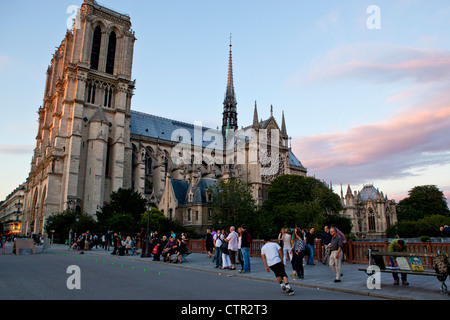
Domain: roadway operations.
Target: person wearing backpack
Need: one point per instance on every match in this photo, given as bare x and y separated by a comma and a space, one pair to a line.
245, 249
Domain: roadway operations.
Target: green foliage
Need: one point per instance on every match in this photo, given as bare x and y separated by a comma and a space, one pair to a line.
65, 221
121, 222
422, 201
233, 203
428, 226
156, 221
123, 212
304, 202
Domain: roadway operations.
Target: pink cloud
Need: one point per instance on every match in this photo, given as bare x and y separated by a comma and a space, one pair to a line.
413, 132
377, 62
414, 137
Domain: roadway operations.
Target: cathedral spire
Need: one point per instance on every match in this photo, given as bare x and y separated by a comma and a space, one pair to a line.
255, 117
283, 127
230, 103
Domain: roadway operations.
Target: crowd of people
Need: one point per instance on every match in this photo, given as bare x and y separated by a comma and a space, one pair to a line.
130, 244
229, 246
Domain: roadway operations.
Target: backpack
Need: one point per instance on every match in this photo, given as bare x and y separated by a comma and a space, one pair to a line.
441, 264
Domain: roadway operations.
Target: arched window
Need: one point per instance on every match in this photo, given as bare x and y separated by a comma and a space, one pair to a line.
371, 217
108, 159
388, 218
95, 52
148, 162
111, 53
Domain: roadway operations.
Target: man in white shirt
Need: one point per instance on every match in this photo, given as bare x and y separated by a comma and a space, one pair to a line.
233, 240
271, 254
217, 243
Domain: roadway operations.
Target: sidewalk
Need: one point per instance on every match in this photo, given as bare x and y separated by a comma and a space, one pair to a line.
318, 276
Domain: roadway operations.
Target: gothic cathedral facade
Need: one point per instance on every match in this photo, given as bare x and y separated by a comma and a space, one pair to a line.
90, 143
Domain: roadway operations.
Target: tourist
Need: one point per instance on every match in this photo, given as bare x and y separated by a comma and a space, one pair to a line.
285, 239
325, 240
271, 254
217, 245
445, 231
299, 252
310, 238
397, 245
209, 243
245, 248
226, 262
233, 241
240, 258
336, 254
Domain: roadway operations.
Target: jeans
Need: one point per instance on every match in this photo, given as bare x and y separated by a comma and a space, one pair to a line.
310, 258
394, 274
246, 256
298, 264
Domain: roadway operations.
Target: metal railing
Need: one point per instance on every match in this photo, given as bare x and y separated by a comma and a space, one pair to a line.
355, 251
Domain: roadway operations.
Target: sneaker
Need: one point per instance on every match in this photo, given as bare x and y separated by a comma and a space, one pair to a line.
290, 292
283, 288
337, 280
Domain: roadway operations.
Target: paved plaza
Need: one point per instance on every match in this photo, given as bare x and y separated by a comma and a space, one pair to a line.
132, 276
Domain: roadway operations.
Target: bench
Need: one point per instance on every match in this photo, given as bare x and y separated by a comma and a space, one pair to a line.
377, 258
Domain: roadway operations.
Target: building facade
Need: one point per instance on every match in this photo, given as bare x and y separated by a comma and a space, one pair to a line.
11, 211
90, 143
370, 211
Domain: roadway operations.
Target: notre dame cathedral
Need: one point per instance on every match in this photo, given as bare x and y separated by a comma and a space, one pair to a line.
90, 142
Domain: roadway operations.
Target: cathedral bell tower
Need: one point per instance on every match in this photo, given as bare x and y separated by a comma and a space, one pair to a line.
83, 141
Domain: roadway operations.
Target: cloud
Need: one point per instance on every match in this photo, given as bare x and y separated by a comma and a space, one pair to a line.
16, 149
376, 63
413, 138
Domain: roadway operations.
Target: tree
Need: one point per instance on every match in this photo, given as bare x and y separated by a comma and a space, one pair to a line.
65, 221
422, 201
302, 201
233, 203
428, 226
155, 220
124, 202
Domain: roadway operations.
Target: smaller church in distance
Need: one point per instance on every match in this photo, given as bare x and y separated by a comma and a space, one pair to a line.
370, 211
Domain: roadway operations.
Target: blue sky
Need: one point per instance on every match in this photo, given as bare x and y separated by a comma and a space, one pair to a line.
362, 106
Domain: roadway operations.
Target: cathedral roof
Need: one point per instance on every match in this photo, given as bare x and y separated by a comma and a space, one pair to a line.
180, 188
156, 127
162, 128
293, 161
369, 192
199, 190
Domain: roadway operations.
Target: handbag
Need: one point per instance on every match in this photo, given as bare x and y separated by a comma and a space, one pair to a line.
155, 250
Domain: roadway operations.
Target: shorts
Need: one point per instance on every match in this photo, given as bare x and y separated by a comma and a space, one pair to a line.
278, 269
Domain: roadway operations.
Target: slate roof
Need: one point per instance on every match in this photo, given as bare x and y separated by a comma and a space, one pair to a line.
368, 192
293, 161
156, 127
199, 190
180, 188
